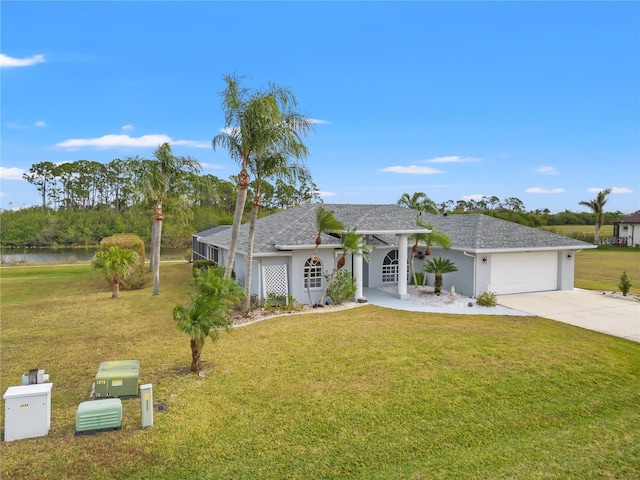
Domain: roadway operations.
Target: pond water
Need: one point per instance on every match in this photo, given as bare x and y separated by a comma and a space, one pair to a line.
71, 255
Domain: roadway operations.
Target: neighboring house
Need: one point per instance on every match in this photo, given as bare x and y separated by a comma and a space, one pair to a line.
489, 253
626, 232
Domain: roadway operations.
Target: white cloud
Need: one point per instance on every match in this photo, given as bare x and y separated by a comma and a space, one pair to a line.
3, 195
317, 121
126, 128
41, 123
453, 159
548, 170
475, 196
411, 170
542, 190
325, 194
6, 61
111, 141
613, 190
11, 173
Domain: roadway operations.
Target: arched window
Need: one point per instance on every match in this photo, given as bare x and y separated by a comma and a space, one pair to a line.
390, 267
313, 273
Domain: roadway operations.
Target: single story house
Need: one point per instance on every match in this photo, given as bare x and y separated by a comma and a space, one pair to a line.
626, 231
490, 254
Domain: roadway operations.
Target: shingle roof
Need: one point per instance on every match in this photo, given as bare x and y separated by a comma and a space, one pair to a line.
633, 218
477, 232
296, 227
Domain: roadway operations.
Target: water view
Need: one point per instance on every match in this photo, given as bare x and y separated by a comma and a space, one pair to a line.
71, 255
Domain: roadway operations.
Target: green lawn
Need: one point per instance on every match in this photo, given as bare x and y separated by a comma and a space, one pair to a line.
364, 393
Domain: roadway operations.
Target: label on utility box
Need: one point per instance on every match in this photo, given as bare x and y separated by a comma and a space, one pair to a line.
116, 383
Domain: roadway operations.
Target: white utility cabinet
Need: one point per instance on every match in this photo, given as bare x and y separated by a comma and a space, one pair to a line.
27, 411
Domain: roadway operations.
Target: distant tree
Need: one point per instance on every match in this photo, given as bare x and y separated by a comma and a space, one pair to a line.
116, 264
42, 176
597, 206
206, 314
418, 201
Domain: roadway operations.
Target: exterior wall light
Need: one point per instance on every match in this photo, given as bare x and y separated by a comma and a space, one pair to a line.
484, 259
569, 255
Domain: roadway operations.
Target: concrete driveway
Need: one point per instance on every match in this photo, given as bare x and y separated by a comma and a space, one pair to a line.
588, 309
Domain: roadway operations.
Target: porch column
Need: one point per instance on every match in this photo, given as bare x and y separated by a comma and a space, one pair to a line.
402, 266
357, 272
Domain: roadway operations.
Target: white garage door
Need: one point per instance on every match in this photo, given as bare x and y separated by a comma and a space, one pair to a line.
524, 272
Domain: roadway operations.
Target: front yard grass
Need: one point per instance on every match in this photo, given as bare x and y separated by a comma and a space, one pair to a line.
363, 393
601, 268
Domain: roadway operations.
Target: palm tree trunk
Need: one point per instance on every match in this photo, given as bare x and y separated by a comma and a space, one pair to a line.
246, 303
196, 361
438, 283
241, 199
155, 248
153, 242
115, 287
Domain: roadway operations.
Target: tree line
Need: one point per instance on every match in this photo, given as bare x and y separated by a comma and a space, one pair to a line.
514, 210
85, 185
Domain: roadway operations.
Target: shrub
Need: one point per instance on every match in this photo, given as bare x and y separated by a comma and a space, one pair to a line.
487, 299
128, 242
625, 284
282, 303
343, 288
202, 265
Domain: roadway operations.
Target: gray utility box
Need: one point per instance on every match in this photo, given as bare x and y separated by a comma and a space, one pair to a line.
118, 378
99, 416
27, 411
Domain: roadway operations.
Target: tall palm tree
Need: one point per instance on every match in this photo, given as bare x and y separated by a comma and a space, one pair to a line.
206, 314
254, 123
418, 201
269, 165
116, 264
439, 266
164, 181
325, 222
352, 243
597, 206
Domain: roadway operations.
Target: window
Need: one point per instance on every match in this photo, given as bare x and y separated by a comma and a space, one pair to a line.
390, 267
214, 254
313, 273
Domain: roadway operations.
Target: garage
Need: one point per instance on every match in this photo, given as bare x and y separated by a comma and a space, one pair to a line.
524, 272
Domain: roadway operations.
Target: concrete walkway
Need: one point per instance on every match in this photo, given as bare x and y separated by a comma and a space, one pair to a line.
588, 309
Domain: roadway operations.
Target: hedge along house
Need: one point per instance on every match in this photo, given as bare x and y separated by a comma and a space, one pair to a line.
489, 253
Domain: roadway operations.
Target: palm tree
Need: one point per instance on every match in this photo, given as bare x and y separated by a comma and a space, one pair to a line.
597, 206
164, 181
418, 201
439, 266
255, 122
206, 314
433, 237
116, 264
276, 165
352, 243
325, 222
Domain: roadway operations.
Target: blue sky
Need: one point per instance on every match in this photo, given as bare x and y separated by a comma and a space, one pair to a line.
534, 100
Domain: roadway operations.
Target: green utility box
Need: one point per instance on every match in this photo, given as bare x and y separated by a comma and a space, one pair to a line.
118, 378
99, 416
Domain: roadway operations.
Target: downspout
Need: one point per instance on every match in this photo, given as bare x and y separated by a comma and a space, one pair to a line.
474, 272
